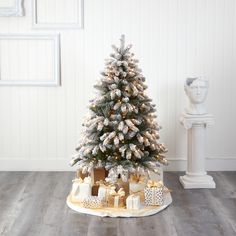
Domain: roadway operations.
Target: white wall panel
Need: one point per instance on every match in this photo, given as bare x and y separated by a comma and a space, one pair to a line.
39, 126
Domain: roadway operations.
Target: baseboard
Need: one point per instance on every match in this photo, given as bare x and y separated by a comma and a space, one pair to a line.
212, 164
35, 165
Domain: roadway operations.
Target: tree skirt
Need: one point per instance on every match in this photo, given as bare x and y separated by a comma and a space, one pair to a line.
120, 212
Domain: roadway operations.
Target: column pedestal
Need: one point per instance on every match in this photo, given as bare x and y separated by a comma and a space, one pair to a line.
196, 176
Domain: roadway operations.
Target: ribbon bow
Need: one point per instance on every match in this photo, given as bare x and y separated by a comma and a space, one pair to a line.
154, 184
86, 180
120, 192
138, 178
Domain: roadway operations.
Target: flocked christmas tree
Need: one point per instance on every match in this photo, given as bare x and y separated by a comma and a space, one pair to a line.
121, 132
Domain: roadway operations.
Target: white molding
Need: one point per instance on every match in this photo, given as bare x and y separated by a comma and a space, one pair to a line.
16, 10
212, 164
56, 59
78, 25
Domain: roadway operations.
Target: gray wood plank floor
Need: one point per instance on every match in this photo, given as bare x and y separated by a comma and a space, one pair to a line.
33, 203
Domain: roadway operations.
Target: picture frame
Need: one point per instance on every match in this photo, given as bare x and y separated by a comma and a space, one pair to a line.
56, 61
36, 24
15, 10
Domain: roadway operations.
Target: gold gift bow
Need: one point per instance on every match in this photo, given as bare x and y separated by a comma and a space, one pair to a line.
155, 184
137, 178
120, 192
86, 180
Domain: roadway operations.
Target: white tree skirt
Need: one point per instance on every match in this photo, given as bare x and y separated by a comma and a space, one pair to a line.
121, 212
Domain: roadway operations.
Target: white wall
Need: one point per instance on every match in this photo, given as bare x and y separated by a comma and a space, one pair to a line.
173, 39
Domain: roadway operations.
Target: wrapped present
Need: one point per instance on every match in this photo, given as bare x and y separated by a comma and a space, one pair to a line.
104, 190
133, 202
81, 188
120, 184
116, 199
98, 174
92, 202
137, 184
154, 193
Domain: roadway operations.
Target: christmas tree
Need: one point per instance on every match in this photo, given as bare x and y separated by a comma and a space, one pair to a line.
121, 132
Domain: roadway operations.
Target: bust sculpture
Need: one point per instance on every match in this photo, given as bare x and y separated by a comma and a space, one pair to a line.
195, 120
196, 89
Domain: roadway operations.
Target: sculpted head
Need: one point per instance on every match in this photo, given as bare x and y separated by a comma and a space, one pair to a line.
196, 89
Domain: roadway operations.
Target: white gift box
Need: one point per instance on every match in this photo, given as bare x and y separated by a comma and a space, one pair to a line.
81, 189
103, 192
133, 202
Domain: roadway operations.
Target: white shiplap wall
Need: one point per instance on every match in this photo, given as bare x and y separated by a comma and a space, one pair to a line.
173, 39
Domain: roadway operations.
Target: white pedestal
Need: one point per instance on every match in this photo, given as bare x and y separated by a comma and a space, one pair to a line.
196, 176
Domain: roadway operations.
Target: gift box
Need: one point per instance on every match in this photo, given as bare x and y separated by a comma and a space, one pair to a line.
104, 190
154, 193
133, 202
92, 202
120, 184
98, 174
95, 190
137, 183
116, 199
81, 188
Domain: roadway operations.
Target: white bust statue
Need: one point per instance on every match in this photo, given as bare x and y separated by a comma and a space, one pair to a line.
196, 90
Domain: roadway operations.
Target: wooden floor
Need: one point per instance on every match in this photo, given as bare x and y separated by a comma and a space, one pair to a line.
33, 203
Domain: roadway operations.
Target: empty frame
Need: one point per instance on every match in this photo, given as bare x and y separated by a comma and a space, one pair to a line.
11, 7
59, 14
30, 60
